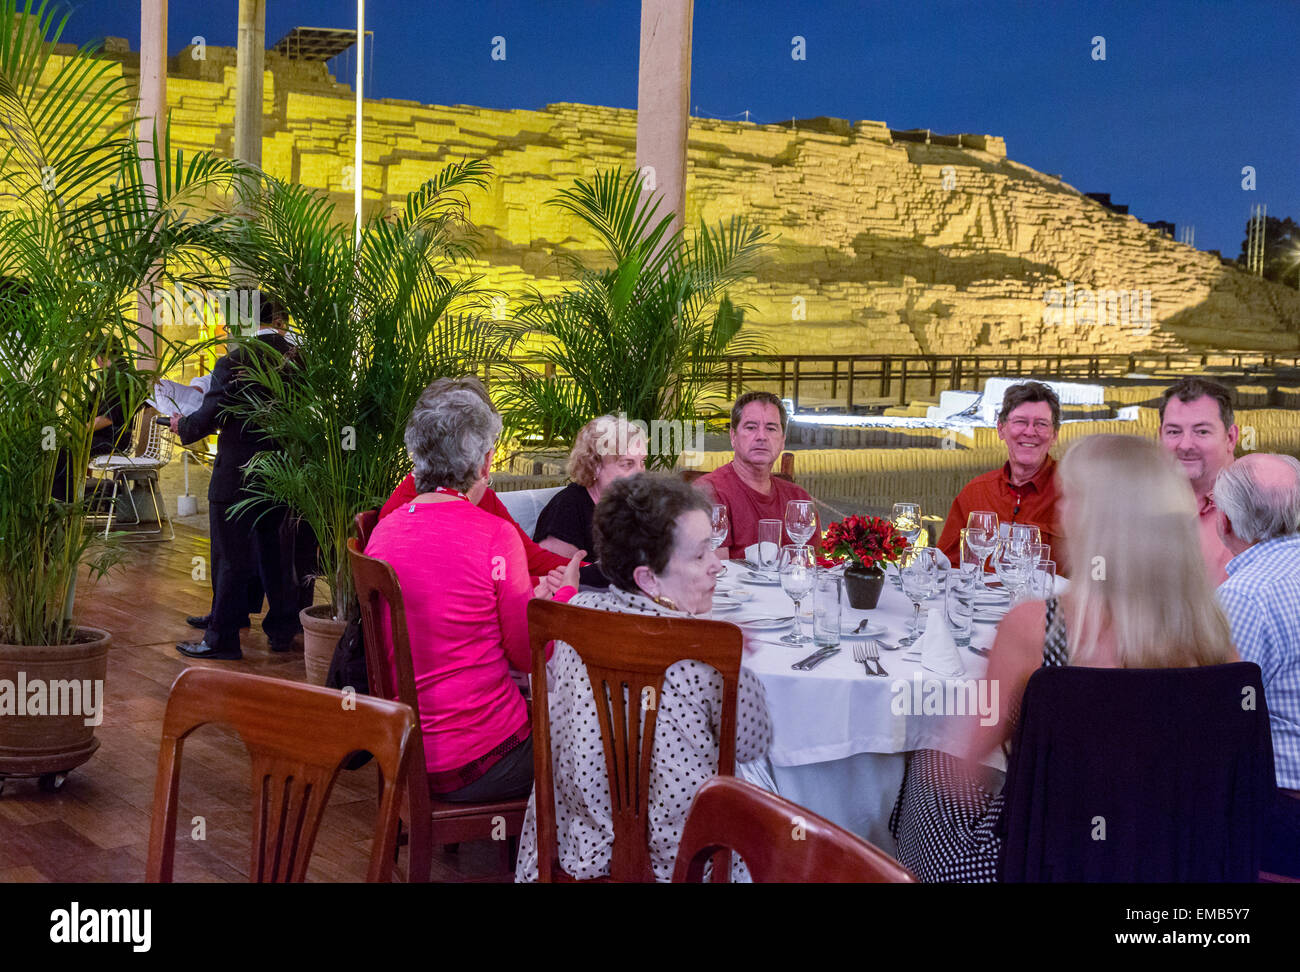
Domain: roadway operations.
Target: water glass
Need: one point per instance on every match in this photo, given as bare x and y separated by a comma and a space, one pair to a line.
971, 559
769, 543
827, 599
1038, 552
959, 604
800, 521
1043, 579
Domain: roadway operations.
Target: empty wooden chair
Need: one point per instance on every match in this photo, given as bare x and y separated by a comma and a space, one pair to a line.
430, 820
779, 841
297, 737
625, 655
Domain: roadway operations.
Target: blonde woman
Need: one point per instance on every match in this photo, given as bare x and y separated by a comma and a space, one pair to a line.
1139, 598
606, 450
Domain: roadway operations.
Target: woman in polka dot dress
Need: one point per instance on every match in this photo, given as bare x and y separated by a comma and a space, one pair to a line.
652, 539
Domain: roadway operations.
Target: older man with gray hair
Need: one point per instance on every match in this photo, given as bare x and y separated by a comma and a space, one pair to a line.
1258, 500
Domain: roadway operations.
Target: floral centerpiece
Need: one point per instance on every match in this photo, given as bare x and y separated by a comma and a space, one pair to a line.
865, 544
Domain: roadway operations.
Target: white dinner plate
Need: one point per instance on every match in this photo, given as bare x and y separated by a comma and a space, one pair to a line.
771, 580
724, 607
848, 629
988, 617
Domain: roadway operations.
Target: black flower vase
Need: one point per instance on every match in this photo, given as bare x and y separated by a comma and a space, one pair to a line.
863, 586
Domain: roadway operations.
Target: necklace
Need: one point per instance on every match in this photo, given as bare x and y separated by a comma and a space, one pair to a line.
451, 492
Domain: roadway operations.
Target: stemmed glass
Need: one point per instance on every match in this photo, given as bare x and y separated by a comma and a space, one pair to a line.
1012, 562
800, 521
798, 571
721, 526
906, 518
1025, 531
982, 537
918, 584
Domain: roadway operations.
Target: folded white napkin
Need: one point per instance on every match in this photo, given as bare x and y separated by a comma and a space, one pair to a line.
938, 649
751, 553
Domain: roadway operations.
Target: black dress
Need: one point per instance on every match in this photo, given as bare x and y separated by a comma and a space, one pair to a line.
946, 823
568, 517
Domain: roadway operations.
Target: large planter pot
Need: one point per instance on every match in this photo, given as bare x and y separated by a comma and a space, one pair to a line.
863, 587
44, 709
320, 636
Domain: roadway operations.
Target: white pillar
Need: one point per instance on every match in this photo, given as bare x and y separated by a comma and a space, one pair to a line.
152, 112
250, 62
663, 99
357, 178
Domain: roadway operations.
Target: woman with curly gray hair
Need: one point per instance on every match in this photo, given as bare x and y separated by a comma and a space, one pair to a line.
652, 538
466, 588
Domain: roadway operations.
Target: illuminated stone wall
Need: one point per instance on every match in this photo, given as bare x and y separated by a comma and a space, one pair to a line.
885, 246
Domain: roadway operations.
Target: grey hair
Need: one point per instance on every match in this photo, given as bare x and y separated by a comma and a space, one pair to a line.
449, 435
1258, 512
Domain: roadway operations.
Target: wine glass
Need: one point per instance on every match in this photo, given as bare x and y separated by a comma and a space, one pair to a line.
1040, 552
918, 583
1011, 562
906, 518
1025, 531
800, 521
982, 536
721, 525
798, 571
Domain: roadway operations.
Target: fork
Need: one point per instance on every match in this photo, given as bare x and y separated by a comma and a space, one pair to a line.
873, 656
861, 655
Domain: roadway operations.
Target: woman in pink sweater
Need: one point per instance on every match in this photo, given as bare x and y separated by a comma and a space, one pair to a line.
466, 587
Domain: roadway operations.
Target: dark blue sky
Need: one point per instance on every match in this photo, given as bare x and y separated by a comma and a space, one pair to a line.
1190, 91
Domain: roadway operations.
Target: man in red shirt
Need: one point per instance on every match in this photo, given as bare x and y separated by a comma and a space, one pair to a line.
1024, 489
1197, 426
746, 485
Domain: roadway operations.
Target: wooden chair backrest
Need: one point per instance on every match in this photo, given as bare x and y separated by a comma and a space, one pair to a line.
297, 737
786, 472
632, 652
365, 522
730, 814
379, 592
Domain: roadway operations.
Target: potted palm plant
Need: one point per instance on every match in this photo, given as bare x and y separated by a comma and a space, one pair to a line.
639, 335
81, 235
376, 317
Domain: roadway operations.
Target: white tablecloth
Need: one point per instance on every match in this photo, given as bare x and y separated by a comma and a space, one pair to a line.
839, 735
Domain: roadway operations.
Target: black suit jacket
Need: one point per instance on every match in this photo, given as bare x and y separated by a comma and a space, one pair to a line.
238, 440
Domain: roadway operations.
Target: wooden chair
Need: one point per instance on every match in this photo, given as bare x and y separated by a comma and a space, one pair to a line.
730, 814
297, 737
430, 820
624, 652
365, 522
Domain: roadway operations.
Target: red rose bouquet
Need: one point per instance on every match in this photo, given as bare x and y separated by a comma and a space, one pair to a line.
870, 542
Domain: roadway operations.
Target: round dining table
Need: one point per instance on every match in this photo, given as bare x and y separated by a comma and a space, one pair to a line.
841, 735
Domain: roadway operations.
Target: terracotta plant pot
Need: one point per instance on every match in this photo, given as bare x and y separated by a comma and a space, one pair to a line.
51, 679
863, 587
320, 636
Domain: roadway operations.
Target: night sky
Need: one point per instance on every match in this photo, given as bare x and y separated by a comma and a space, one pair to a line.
1189, 93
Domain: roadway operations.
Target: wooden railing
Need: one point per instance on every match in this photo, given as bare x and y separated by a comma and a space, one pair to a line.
865, 380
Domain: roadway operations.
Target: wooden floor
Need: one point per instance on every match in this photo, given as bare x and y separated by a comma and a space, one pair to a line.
96, 828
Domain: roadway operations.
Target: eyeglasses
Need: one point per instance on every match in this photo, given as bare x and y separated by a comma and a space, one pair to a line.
1019, 425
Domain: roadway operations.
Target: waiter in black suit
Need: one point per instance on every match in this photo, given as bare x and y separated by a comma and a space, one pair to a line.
248, 545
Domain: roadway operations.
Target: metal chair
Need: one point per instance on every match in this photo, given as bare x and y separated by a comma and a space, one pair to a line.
153, 451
